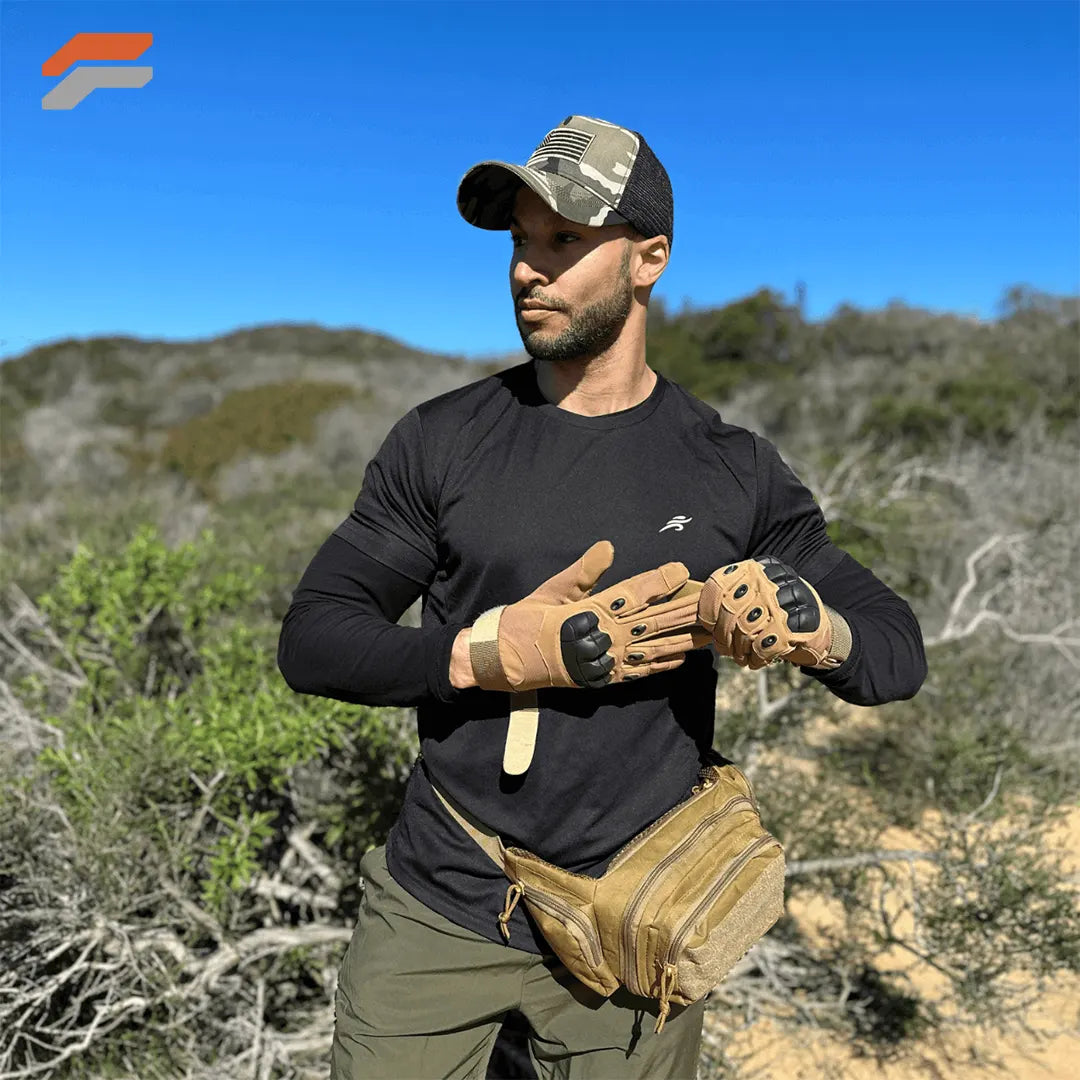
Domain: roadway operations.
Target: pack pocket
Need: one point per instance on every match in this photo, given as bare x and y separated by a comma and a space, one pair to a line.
573, 935
739, 908
641, 907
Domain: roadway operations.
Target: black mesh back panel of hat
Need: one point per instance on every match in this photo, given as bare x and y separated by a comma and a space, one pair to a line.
647, 198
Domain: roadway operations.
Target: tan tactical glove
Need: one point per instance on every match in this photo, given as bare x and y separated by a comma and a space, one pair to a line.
561, 635
760, 611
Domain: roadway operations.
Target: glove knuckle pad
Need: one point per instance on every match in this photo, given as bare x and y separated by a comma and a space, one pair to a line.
775, 570
578, 625
793, 595
589, 648
593, 669
584, 654
803, 613
582, 669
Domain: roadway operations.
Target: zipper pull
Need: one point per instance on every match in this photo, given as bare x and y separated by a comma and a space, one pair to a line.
705, 781
668, 979
512, 897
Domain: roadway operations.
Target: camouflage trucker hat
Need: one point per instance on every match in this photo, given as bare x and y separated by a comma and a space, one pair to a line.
589, 170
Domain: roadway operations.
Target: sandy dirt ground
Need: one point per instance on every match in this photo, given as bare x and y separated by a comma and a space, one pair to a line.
767, 1052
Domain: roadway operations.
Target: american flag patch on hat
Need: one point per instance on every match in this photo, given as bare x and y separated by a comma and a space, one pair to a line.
565, 143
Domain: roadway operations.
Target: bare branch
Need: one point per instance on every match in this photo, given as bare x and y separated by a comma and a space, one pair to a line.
802, 867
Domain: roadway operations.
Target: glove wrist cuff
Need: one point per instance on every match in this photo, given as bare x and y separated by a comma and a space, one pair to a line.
840, 642
484, 651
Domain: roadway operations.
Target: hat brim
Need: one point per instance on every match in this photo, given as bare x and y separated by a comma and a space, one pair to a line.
487, 191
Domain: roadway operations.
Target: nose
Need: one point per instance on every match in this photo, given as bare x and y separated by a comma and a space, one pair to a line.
524, 277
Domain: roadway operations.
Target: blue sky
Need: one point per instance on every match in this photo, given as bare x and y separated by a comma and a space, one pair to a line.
299, 161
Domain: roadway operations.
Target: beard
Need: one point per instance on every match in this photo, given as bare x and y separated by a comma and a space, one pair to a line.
592, 331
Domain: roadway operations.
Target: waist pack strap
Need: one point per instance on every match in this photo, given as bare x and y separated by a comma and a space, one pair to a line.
485, 837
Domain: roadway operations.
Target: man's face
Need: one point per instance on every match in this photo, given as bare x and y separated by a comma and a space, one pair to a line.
582, 274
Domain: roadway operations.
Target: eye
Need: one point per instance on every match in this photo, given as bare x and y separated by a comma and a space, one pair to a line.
558, 236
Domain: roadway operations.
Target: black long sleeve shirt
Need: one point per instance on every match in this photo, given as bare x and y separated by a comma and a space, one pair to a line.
479, 495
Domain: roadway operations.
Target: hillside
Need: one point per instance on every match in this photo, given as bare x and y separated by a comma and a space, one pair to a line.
90, 413
255, 414
96, 412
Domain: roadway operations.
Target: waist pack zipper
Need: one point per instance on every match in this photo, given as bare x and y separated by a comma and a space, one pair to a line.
637, 901
668, 969
554, 906
759, 845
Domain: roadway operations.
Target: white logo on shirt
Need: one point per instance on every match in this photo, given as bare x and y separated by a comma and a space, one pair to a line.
677, 522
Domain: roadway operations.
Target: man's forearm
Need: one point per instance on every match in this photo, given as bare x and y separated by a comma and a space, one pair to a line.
887, 659
340, 637
331, 650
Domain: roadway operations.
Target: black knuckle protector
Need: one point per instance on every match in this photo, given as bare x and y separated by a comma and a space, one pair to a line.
793, 595
578, 625
584, 650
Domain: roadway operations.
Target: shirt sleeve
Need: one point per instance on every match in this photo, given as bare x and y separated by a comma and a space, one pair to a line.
339, 637
788, 523
394, 517
887, 661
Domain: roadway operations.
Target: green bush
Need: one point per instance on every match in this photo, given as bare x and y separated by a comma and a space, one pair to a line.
994, 401
889, 418
713, 352
182, 742
155, 839
261, 420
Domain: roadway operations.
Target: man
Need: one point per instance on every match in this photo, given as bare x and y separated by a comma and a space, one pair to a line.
478, 497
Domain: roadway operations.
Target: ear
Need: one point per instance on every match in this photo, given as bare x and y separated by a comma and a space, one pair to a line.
654, 254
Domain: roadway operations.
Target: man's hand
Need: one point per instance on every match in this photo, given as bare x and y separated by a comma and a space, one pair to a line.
563, 635
760, 611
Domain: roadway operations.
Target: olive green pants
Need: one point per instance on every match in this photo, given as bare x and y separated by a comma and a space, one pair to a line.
421, 998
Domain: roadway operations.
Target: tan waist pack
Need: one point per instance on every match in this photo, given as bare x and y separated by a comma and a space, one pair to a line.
676, 908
